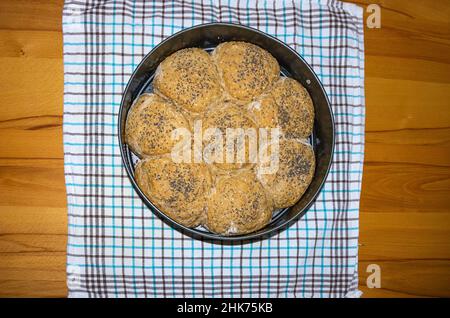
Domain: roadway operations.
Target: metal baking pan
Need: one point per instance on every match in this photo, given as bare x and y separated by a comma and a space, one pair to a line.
208, 36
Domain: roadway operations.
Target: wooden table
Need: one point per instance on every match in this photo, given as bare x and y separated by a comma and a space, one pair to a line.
405, 220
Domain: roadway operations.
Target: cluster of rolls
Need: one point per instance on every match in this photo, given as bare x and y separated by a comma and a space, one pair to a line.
238, 85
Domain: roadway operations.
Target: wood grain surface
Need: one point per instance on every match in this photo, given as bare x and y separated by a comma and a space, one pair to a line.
405, 220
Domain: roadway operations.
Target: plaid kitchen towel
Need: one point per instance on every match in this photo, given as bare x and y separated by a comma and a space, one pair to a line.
116, 246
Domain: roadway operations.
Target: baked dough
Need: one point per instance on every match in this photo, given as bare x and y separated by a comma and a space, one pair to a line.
149, 125
238, 205
264, 111
238, 86
180, 190
230, 115
295, 110
189, 78
246, 69
295, 171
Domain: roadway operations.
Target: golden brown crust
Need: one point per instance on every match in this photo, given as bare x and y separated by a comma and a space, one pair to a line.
189, 78
246, 69
295, 171
229, 115
180, 190
295, 113
264, 111
227, 198
149, 125
238, 205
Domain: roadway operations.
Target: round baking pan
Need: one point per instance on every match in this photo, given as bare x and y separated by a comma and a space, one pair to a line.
208, 36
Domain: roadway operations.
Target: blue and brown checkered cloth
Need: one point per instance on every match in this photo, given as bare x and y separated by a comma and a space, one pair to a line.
116, 246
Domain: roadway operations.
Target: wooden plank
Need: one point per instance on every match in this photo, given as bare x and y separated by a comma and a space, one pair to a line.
405, 188
382, 292
33, 287
409, 278
30, 87
32, 250
32, 185
31, 44
401, 104
412, 250
33, 212
413, 30
34, 143
33, 274
31, 14
400, 68
33, 220
422, 147
387, 236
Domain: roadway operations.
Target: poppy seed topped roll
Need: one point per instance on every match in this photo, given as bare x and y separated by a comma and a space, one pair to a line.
150, 123
229, 115
189, 78
264, 111
246, 69
287, 106
295, 171
295, 113
238, 205
178, 189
